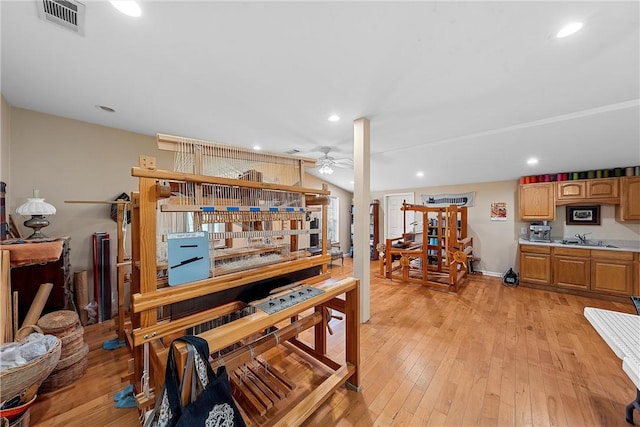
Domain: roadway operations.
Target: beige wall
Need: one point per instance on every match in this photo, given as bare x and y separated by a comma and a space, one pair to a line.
72, 160
495, 242
609, 228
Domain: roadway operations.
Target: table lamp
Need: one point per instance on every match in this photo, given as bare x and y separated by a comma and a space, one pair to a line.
37, 208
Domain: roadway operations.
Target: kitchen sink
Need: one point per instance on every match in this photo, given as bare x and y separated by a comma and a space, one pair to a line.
587, 244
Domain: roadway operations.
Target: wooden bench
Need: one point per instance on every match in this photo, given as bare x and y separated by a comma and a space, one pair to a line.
620, 332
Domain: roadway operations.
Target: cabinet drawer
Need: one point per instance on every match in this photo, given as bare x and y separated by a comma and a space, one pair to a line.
535, 249
612, 255
572, 252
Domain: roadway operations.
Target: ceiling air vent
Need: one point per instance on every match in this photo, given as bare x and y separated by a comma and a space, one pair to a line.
67, 13
292, 151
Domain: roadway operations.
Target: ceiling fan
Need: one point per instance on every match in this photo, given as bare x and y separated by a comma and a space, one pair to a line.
326, 163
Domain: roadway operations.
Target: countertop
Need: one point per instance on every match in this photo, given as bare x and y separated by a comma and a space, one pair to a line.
620, 245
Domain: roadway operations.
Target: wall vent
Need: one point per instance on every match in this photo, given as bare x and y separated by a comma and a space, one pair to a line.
67, 13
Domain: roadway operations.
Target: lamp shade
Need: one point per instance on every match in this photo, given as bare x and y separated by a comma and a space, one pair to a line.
36, 206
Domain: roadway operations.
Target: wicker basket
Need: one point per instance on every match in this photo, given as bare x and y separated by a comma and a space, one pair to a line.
59, 323
17, 379
64, 377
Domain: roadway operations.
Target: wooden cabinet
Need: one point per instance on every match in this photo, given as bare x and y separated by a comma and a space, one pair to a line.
571, 190
629, 208
26, 280
571, 268
537, 202
605, 190
612, 272
591, 272
535, 264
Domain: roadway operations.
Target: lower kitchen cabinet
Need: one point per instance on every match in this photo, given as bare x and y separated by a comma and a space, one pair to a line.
535, 264
571, 268
612, 272
590, 272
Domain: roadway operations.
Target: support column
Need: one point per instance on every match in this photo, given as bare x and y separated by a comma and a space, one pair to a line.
361, 199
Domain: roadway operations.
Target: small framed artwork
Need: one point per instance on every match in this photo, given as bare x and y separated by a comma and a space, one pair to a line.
583, 215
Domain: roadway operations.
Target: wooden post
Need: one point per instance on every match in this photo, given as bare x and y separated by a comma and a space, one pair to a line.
6, 331
361, 199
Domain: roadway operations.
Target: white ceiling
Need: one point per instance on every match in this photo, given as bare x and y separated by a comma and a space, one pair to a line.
463, 91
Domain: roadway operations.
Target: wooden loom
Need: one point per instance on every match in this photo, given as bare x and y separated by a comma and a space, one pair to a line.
448, 269
258, 224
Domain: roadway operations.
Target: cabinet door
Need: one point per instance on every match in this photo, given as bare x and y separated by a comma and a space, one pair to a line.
612, 277
535, 268
569, 190
571, 272
603, 188
630, 197
536, 202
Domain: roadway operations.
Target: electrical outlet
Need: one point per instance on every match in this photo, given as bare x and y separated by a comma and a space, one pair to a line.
523, 230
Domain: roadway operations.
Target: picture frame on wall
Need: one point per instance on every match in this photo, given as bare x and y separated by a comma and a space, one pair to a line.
583, 215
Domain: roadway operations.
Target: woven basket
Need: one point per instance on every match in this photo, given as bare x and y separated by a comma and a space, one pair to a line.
19, 378
72, 342
72, 359
59, 322
64, 376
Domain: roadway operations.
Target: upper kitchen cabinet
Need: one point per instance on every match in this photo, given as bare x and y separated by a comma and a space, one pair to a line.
604, 190
629, 208
536, 202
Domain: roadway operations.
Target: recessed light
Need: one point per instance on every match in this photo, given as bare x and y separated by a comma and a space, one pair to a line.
128, 7
420, 174
532, 161
334, 118
570, 28
257, 147
351, 182
105, 108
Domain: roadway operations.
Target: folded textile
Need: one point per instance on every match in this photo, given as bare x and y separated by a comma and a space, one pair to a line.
28, 253
127, 391
112, 344
126, 402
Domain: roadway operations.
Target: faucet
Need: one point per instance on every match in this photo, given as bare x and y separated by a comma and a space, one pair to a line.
582, 238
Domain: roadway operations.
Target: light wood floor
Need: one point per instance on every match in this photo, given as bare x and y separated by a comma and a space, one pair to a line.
491, 355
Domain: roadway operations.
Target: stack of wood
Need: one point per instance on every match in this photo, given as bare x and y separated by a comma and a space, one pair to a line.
65, 324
